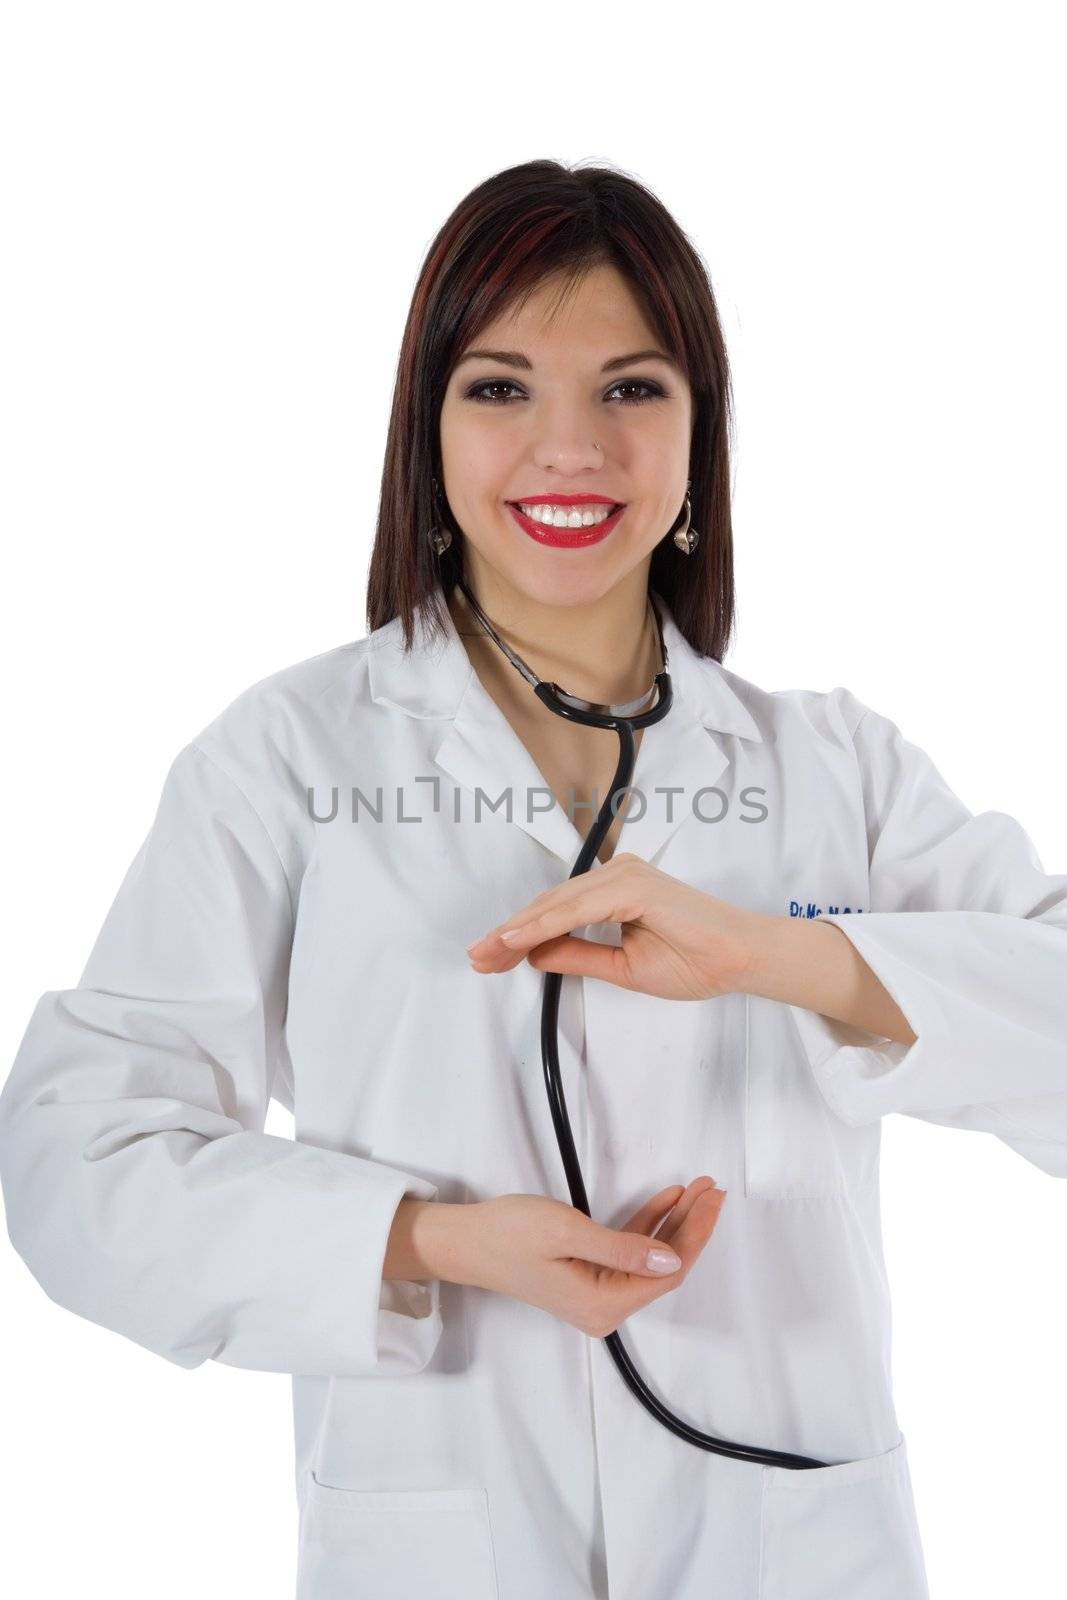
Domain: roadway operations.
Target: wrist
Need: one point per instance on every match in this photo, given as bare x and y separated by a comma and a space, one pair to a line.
428, 1239
792, 959
763, 954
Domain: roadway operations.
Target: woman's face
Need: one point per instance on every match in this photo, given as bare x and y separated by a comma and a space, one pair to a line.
525, 424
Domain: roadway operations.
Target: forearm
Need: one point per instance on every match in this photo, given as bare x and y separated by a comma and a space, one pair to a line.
428, 1240
811, 963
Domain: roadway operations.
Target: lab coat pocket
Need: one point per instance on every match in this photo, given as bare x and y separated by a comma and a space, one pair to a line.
796, 1148
843, 1532
433, 1543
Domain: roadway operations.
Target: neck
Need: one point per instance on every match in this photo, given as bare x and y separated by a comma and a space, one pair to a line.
607, 652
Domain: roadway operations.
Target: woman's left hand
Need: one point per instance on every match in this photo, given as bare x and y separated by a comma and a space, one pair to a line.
677, 942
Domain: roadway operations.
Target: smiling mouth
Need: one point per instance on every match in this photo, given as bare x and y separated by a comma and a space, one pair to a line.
564, 516
567, 533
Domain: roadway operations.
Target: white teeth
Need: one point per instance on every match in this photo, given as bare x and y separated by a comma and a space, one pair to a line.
568, 516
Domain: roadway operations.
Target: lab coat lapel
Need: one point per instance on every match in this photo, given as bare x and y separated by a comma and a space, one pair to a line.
677, 757
480, 750
477, 747
688, 751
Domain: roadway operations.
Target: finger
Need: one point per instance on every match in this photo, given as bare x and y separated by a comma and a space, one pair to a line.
533, 908
591, 897
570, 955
688, 1235
687, 1230
651, 1214
626, 1250
682, 1207
689, 1227
582, 958
621, 1250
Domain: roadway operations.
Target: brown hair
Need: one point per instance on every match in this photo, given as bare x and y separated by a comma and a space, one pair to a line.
512, 231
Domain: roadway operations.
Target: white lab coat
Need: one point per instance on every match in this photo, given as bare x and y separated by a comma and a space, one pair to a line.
454, 1444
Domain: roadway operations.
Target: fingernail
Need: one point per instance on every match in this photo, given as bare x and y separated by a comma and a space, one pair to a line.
663, 1261
512, 933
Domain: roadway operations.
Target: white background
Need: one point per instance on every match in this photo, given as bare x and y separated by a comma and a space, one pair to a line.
214, 216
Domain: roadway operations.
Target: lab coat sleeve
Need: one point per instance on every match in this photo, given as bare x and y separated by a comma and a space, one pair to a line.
968, 934
140, 1188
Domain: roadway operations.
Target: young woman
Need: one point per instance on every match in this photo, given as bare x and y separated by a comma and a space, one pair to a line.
791, 927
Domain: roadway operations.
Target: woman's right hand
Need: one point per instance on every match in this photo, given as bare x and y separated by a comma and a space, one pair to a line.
553, 1256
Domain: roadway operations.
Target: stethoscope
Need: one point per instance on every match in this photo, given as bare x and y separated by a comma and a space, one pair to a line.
624, 719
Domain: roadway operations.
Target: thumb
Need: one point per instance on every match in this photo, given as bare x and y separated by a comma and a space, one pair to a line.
578, 958
626, 1252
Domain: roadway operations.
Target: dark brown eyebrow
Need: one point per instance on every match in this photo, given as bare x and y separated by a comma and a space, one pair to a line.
515, 358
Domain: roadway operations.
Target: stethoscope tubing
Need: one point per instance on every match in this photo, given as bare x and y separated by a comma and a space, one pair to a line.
619, 719
624, 727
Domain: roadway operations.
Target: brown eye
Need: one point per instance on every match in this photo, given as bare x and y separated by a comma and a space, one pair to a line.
479, 391
653, 391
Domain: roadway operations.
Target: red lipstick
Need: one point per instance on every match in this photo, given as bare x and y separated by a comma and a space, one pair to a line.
566, 538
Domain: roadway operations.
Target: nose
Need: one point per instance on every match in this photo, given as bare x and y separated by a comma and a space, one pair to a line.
570, 445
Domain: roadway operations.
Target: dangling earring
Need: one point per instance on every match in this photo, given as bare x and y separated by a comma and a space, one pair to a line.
686, 537
439, 537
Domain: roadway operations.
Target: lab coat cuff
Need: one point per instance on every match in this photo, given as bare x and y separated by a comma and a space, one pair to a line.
398, 1321
861, 1076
